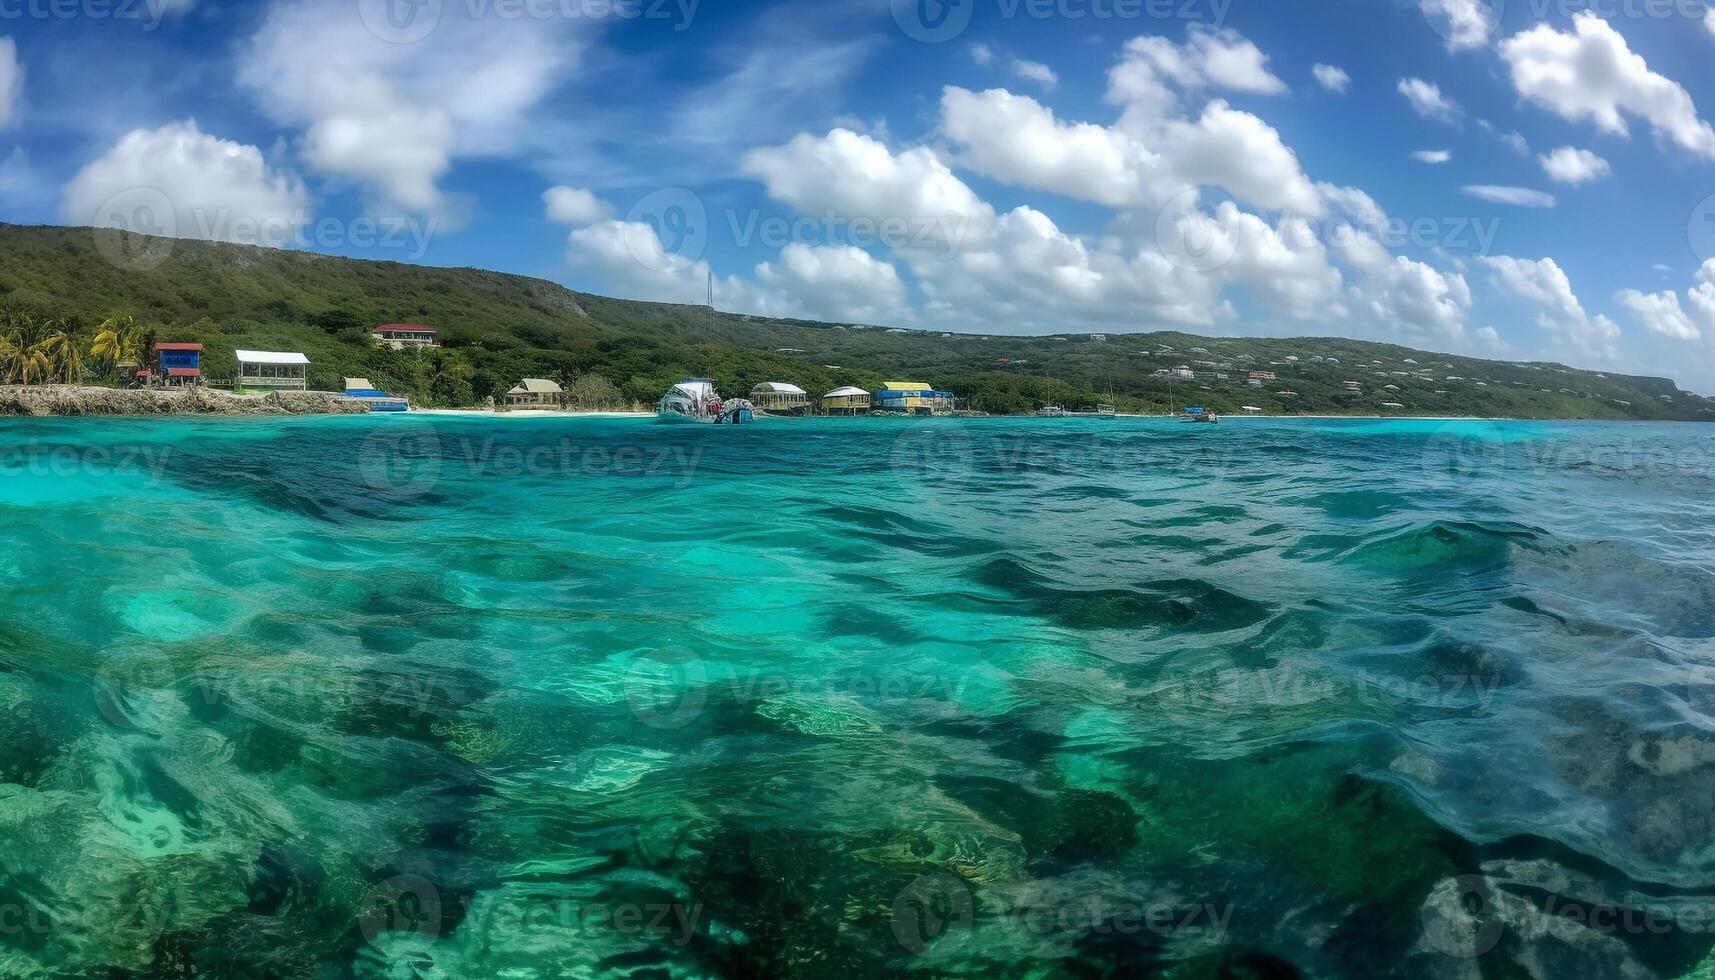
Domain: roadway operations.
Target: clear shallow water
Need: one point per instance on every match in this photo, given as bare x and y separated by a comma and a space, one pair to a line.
450, 698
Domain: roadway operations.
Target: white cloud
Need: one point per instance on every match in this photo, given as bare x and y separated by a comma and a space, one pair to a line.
1015, 139
1035, 71
837, 283
216, 189
11, 83
1511, 140
1569, 165
575, 206
859, 177
1545, 286
1152, 67
1406, 297
1590, 73
1518, 197
1432, 156
1660, 313
631, 261
394, 117
1709, 19
1426, 99
1464, 23
1331, 78
982, 54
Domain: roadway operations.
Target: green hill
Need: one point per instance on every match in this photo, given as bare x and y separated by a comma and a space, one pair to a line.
498, 328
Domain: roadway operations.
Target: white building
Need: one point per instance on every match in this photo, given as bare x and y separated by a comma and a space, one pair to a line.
277, 370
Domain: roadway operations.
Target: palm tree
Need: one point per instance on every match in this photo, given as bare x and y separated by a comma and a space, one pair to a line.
37, 353
118, 343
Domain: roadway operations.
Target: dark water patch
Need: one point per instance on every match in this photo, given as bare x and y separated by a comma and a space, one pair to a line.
849, 620
1357, 505
1181, 604
1444, 545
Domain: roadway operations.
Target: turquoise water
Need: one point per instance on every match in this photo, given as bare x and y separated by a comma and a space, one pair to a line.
434, 697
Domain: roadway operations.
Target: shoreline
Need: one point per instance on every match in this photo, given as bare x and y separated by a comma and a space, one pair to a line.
87, 401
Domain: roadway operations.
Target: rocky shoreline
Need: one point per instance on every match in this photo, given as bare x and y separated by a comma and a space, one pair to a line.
50, 400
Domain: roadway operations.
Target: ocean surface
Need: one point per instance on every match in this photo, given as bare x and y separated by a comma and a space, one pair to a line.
444, 698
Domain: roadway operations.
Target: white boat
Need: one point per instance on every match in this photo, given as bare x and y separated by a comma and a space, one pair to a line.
696, 401
1051, 412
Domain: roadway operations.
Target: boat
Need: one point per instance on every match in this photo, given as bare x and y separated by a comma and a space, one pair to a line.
1194, 413
696, 401
1051, 412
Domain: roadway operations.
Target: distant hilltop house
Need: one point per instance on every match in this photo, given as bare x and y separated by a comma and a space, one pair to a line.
778, 396
174, 365
401, 336
534, 393
1262, 376
274, 370
846, 401
913, 398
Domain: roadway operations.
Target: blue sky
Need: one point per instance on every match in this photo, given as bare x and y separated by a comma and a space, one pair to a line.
1524, 180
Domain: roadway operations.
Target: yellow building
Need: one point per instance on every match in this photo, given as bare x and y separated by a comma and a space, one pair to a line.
913, 398
846, 401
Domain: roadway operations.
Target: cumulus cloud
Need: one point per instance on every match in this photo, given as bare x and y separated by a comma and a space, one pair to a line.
1015, 139
982, 54
629, 258
1154, 69
210, 188
837, 282
1331, 78
11, 83
1590, 73
1545, 286
1427, 101
1569, 165
1518, 197
1035, 71
394, 117
1660, 313
1464, 23
1432, 156
575, 206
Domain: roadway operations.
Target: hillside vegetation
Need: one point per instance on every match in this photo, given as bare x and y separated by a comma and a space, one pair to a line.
499, 328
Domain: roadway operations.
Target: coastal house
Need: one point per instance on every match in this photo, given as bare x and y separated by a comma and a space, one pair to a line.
174, 365
780, 397
536, 393
913, 398
274, 370
401, 336
846, 401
